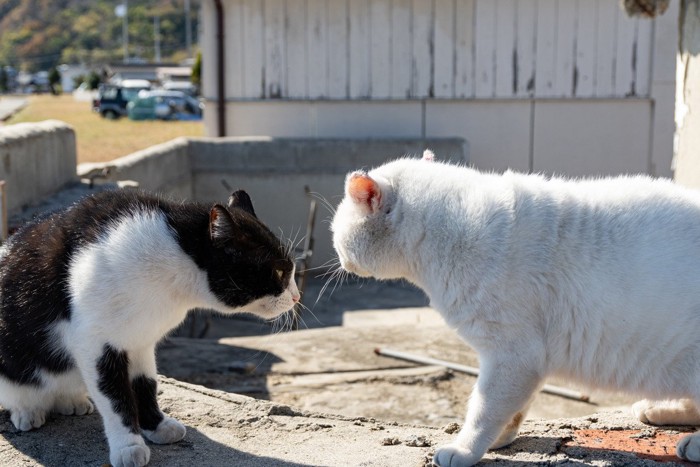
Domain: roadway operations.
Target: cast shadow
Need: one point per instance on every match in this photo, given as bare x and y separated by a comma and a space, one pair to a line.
208, 363
69, 441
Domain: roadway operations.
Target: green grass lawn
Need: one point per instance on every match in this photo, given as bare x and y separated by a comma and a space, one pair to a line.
99, 139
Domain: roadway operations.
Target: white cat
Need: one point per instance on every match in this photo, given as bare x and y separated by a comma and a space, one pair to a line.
593, 280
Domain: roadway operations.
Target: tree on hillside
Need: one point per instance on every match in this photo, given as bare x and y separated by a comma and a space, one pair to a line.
54, 81
3, 79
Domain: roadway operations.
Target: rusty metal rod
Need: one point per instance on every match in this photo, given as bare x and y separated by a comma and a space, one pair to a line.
470, 370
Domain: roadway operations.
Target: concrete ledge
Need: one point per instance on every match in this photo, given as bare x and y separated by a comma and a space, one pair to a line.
164, 168
227, 429
36, 160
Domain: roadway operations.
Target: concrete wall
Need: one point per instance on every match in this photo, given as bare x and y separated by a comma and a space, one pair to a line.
36, 160
275, 171
163, 168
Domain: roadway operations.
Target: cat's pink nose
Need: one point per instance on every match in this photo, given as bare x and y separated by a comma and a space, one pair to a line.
296, 298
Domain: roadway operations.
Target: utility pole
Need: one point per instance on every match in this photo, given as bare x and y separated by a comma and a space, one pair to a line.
122, 11
188, 29
156, 37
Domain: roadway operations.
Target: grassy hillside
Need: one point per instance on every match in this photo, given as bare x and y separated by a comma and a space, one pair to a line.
39, 34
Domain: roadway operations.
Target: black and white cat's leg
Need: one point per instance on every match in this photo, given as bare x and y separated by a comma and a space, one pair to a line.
105, 370
156, 426
71, 395
28, 404
502, 391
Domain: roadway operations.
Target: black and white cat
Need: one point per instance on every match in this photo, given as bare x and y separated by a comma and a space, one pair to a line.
86, 293
593, 280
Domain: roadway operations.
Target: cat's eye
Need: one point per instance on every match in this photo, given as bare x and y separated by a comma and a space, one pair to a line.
279, 273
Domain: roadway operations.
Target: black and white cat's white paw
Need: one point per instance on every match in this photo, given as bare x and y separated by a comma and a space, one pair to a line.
28, 419
129, 452
452, 455
168, 431
75, 405
667, 412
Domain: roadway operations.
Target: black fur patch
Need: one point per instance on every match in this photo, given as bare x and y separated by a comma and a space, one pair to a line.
113, 382
145, 389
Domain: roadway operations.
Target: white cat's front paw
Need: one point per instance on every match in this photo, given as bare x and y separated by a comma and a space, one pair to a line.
452, 455
79, 405
25, 420
132, 455
689, 448
666, 412
168, 431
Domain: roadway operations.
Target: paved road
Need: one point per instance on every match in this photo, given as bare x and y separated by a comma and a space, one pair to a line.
9, 105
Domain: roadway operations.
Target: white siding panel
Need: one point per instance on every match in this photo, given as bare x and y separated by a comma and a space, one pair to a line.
253, 49
380, 48
421, 85
625, 55
485, 59
338, 84
444, 50
643, 61
297, 82
505, 48
545, 76
359, 65
605, 56
275, 52
316, 44
565, 44
401, 49
464, 53
416, 49
234, 48
526, 35
586, 42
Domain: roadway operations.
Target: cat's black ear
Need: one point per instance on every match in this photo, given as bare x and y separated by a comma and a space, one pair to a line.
221, 225
240, 199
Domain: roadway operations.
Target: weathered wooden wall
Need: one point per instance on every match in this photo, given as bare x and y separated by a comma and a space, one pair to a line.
398, 49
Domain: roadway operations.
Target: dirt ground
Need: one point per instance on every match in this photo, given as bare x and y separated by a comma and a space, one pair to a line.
331, 366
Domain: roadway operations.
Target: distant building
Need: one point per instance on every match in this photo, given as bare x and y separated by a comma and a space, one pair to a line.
557, 86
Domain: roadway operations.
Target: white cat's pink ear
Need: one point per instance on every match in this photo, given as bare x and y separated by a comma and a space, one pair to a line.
428, 155
364, 191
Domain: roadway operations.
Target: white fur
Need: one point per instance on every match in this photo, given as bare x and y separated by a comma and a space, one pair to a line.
128, 290
594, 280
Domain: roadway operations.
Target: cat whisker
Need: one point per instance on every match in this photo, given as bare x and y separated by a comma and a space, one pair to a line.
323, 201
335, 275
308, 310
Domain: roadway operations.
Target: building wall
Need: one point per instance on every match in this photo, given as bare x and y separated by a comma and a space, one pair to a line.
510, 76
